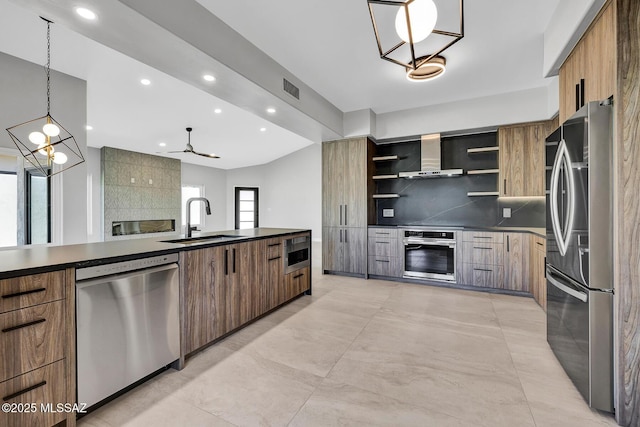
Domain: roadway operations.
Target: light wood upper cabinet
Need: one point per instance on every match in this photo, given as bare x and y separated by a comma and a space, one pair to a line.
522, 164
592, 60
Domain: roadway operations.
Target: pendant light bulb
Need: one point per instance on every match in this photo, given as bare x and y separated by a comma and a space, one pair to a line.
59, 158
51, 130
423, 15
37, 138
45, 149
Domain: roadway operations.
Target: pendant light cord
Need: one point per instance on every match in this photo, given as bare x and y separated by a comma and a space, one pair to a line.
48, 68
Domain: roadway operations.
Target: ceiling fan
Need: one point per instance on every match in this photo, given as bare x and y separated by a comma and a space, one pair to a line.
189, 148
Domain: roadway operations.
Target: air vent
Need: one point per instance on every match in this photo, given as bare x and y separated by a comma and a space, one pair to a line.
291, 89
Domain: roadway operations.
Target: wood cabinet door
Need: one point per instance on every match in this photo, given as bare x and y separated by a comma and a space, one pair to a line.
355, 250
522, 164
355, 180
197, 298
511, 168
334, 168
218, 295
516, 247
271, 252
332, 249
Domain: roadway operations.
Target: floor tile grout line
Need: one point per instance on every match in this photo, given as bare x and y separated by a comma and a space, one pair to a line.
515, 368
338, 361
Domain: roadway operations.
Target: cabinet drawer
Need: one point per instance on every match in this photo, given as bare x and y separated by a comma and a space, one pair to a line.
25, 291
482, 237
483, 253
45, 385
385, 266
297, 282
31, 338
484, 275
382, 247
389, 233
274, 248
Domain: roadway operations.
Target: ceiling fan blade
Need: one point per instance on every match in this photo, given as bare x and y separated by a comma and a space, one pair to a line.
173, 152
210, 156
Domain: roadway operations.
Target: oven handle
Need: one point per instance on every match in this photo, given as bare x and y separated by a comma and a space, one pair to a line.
430, 243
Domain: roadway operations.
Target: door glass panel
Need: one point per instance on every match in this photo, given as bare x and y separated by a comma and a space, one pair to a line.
246, 195
246, 206
38, 208
8, 209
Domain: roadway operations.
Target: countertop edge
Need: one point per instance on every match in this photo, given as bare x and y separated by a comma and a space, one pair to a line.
57, 261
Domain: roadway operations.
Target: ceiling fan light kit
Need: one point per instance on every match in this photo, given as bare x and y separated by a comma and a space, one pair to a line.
414, 22
44, 142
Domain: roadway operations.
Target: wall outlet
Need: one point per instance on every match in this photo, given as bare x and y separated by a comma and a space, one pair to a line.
506, 212
387, 213
150, 182
133, 180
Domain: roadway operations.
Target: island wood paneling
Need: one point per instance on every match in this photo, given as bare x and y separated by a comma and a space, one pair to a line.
627, 211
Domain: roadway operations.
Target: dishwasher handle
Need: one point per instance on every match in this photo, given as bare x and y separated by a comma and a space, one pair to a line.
81, 284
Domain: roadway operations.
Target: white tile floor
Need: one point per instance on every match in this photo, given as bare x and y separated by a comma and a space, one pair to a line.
370, 353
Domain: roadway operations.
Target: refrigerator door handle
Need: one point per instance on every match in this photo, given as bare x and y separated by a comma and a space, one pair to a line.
563, 236
566, 289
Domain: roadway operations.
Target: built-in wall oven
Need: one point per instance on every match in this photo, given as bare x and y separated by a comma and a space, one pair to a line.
430, 255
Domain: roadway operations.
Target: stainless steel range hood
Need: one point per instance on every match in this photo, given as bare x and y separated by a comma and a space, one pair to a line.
430, 163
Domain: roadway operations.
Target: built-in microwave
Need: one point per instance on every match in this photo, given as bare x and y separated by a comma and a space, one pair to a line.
297, 253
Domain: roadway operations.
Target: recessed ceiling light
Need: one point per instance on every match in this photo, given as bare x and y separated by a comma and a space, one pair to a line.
217, 111
271, 110
89, 127
209, 78
263, 129
162, 144
86, 13
145, 82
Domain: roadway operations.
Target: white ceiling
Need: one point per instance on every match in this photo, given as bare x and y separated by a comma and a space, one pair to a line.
327, 44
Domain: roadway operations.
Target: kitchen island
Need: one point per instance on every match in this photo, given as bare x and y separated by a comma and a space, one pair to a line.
227, 279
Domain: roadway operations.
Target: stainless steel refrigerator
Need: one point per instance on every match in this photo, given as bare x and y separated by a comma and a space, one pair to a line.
580, 251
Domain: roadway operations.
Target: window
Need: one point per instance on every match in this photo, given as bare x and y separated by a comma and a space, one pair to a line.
246, 207
37, 207
189, 191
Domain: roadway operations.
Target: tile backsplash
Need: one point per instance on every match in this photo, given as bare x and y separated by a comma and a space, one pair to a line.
139, 186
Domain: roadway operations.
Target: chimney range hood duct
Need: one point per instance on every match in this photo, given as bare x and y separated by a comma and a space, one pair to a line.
430, 163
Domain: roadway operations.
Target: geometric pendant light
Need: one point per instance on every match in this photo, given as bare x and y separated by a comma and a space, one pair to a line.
44, 142
406, 35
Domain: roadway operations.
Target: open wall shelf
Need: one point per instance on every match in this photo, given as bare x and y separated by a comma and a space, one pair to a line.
483, 150
483, 171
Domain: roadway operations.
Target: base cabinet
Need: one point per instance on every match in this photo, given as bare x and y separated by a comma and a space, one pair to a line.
344, 249
537, 274
37, 348
385, 252
516, 265
496, 260
226, 287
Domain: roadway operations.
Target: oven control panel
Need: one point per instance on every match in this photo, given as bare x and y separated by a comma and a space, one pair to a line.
424, 234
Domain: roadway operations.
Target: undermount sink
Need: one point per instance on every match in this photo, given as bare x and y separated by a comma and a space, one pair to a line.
201, 239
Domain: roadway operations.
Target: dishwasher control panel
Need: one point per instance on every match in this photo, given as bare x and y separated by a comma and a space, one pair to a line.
124, 266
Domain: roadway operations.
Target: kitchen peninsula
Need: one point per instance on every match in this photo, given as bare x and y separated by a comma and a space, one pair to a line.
227, 279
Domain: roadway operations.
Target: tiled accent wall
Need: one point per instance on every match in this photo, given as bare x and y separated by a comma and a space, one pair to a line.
139, 186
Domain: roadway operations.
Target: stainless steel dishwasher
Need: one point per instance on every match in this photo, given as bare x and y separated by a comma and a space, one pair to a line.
128, 324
